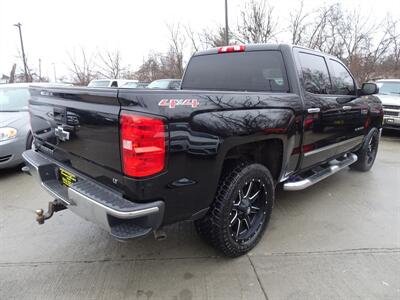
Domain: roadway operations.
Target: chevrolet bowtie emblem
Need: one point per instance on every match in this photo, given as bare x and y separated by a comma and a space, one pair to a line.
62, 134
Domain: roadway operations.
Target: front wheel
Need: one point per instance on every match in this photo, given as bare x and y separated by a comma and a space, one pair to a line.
241, 210
368, 151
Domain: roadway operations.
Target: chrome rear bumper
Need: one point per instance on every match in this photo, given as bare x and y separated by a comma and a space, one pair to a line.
95, 202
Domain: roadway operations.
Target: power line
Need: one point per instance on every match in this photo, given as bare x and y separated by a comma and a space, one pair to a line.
40, 70
54, 70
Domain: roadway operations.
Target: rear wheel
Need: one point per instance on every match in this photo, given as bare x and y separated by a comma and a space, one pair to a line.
241, 210
367, 153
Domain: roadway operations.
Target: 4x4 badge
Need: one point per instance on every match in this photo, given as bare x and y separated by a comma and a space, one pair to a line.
172, 103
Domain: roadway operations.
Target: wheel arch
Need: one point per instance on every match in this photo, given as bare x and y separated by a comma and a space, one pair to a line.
268, 152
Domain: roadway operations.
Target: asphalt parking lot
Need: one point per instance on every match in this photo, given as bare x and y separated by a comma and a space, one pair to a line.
339, 239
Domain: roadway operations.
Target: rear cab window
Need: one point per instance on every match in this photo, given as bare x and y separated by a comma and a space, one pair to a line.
250, 71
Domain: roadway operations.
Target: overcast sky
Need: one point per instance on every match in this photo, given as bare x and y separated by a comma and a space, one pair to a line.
52, 28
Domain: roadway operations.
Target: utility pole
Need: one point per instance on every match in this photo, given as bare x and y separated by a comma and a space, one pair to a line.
40, 70
23, 51
226, 24
54, 70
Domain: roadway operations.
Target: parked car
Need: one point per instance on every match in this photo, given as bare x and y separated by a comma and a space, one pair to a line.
166, 84
15, 133
246, 118
135, 85
103, 83
389, 94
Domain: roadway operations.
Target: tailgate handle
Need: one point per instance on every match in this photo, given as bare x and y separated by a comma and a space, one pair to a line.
313, 110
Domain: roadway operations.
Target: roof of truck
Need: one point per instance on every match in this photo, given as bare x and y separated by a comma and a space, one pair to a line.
248, 47
257, 47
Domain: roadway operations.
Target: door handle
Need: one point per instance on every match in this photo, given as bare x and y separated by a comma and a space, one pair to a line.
346, 107
313, 110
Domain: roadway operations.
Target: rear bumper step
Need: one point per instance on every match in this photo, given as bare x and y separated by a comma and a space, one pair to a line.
320, 174
96, 203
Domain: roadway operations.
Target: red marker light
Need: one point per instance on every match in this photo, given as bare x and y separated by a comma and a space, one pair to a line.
227, 49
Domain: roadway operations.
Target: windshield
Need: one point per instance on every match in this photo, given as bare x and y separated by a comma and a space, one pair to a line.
14, 99
99, 83
159, 84
386, 88
130, 85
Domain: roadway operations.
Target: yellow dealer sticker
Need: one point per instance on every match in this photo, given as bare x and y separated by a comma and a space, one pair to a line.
67, 178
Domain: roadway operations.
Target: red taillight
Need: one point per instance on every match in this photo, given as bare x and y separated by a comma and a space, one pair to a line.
227, 49
142, 145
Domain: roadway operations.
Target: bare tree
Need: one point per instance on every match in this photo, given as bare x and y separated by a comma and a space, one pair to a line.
12, 73
369, 47
320, 30
298, 24
394, 56
206, 38
82, 67
174, 58
110, 64
363, 43
257, 24
169, 64
214, 38
150, 69
194, 38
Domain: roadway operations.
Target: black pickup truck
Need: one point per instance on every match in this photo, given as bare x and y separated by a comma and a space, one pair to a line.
246, 119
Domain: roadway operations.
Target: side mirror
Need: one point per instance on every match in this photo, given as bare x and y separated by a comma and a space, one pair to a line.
369, 88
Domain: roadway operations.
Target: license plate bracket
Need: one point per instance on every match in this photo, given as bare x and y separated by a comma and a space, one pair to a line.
66, 178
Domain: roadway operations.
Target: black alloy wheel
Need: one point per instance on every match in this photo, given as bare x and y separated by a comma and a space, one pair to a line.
248, 211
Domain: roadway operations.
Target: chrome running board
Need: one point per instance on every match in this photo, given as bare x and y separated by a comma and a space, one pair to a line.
300, 183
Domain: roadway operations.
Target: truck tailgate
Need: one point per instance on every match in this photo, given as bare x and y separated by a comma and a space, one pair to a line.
78, 125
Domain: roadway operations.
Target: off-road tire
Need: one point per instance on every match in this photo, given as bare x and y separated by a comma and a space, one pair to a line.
367, 153
215, 227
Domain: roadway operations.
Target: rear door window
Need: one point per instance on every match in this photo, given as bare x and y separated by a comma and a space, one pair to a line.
237, 71
316, 78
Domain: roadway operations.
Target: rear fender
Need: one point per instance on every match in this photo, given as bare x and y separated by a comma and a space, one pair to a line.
239, 127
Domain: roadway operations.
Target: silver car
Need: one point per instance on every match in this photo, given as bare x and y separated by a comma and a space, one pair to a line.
389, 94
15, 132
